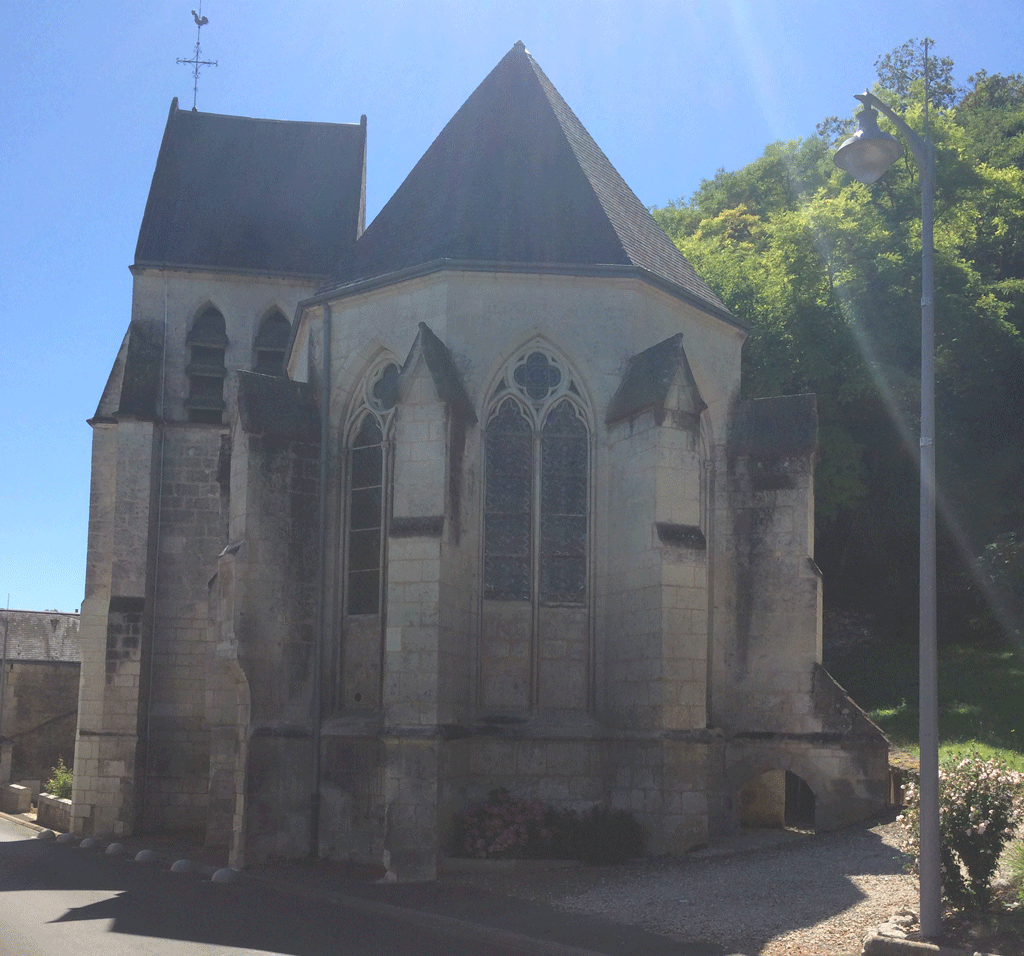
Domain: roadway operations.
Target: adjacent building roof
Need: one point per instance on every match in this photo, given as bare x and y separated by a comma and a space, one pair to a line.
232, 192
40, 636
514, 178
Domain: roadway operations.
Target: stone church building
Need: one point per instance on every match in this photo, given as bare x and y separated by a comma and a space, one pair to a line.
383, 519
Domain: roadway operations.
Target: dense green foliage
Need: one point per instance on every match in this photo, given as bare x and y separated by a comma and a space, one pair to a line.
59, 784
827, 273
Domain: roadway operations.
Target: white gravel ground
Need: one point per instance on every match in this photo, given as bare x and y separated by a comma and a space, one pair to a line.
765, 893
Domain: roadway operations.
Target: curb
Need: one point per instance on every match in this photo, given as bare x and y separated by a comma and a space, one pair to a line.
22, 822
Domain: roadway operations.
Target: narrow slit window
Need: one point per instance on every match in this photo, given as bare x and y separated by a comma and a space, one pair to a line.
365, 518
271, 343
207, 341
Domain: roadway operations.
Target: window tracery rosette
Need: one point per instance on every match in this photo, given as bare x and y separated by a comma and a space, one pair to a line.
536, 515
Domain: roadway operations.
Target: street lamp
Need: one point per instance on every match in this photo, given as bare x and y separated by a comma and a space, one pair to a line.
865, 156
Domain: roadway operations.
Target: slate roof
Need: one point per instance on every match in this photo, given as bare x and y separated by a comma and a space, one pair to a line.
775, 426
514, 178
232, 192
277, 407
649, 377
443, 371
134, 381
40, 636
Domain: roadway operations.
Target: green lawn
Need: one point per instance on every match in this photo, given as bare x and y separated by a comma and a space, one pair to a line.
981, 695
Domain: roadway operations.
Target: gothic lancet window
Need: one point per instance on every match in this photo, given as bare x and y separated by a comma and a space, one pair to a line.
207, 341
366, 496
537, 466
271, 343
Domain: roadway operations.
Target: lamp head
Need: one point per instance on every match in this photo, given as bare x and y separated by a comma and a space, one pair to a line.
869, 152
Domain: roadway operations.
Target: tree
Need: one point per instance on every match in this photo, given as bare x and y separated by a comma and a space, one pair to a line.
827, 273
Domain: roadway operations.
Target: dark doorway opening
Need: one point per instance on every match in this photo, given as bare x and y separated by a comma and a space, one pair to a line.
799, 803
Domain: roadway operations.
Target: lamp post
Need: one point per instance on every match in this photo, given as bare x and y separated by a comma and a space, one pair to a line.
865, 156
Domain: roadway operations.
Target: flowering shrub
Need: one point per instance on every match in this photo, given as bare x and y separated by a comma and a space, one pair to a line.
980, 808
503, 828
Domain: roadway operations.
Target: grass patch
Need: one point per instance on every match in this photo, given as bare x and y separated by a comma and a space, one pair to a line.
981, 695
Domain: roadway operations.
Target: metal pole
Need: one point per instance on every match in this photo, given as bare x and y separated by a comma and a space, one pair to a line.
3, 667
928, 728
931, 882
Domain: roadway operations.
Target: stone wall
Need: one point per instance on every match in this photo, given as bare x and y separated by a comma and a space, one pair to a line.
264, 622
40, 714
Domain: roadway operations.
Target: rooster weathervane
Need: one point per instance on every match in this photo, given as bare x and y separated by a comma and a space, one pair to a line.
195, 62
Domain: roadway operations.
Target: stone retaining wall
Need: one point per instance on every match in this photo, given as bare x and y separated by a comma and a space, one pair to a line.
54, 813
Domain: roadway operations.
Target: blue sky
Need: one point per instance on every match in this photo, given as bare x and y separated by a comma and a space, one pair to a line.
672, 90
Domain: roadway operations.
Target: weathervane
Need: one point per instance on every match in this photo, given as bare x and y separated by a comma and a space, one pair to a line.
195, 62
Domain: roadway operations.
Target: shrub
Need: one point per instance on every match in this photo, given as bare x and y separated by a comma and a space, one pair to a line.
610, 836
59, 784
980, 808
502, 827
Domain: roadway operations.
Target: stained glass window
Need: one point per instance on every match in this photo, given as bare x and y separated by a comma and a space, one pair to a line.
563, 506
365, 517
536, 491
507, 507
538, 376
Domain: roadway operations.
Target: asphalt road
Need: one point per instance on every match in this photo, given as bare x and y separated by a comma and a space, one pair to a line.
60, 900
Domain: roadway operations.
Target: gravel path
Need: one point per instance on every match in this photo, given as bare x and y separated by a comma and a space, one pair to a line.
765, 894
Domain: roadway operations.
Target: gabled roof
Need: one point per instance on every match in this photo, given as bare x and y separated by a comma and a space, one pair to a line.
648, 379
134, 380
443, 371
514, 178
236, 193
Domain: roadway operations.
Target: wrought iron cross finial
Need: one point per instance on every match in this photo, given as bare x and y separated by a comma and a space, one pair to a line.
196, 62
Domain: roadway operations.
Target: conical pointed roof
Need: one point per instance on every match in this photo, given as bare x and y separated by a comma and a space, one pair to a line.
514, 178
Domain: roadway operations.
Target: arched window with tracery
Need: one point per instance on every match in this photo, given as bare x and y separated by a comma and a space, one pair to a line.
207, 341
366, 508
535, 634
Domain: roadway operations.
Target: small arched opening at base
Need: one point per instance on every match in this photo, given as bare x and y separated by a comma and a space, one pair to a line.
799, 802
776, 799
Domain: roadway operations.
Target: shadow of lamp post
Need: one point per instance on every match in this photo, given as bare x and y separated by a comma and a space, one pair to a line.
866, 156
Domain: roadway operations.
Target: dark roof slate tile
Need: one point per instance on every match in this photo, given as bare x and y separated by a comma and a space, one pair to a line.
515, 178
237, 193
41, 636
765, 427
277, 407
